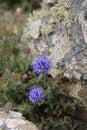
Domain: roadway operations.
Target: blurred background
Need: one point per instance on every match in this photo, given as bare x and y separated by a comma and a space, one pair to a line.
27, 6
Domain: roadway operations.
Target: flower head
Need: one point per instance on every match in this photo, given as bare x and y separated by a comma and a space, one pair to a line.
42, 65
36, 95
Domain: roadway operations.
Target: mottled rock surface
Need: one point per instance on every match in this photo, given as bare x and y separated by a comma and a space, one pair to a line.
50, 1
61, 36
15, 121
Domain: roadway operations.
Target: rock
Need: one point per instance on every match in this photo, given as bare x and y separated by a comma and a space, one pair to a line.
50, 1
84, 30
15, 121
61, 48
57, 72
15, 114
34, 29
8, 107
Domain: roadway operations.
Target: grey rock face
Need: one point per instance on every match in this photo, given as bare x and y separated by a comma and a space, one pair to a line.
15, 121
34, 29
50, 1
60, 33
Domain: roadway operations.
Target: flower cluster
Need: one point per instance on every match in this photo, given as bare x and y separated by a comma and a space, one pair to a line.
36, 95
41, 65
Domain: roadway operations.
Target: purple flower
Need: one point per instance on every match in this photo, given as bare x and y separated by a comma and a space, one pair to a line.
42, 65
36, 95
